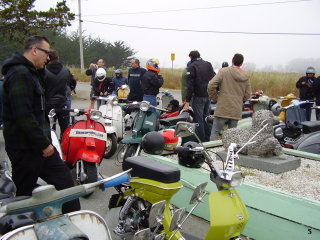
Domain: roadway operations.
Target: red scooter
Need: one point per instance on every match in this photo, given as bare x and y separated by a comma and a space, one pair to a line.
83, 145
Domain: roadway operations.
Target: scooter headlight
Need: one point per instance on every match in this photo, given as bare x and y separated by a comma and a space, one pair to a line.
278, 133
95, 115
144, 106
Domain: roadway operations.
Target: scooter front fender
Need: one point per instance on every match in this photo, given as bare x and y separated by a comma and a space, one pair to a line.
131, 140
110, 129
228, 215
88, 156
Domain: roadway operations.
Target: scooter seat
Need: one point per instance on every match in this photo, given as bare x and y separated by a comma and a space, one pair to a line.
147, 168
184, 117
310, 126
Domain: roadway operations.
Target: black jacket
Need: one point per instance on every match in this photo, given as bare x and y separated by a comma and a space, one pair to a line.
306, 91
56, 79
199, 73
151, 82
25, 124
101, 87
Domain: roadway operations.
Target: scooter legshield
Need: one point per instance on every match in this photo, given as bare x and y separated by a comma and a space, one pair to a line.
228, 215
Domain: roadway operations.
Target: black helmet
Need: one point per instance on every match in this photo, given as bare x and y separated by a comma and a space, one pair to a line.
310, 70
153, 143
191, 159
225, 64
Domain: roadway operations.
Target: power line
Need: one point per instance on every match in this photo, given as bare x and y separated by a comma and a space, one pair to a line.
202, 8
205, 31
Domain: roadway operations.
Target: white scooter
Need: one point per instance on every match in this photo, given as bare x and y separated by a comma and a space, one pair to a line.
54, 137
115, 127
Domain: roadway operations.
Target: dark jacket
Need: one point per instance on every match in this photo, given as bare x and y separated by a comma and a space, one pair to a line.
101, 87
56, 79
317, 90
118, 82
134, 79
151, 82
92, 73
306, 92
199, 73
25, 124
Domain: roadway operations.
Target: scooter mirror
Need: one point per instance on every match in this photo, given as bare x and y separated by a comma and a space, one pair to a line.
184, 129
142, 235
156, 213
198, 193
177, 219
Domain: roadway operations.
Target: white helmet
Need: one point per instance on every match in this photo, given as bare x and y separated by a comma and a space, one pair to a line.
101, 74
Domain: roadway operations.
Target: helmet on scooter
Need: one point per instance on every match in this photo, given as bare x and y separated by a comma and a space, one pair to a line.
191, 159
153, 143
311, 70
101, 74
171, 141
153, 64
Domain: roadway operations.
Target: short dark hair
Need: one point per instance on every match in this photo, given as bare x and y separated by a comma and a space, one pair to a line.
136, 60
194, 54
33, 41
54, 56
237, 59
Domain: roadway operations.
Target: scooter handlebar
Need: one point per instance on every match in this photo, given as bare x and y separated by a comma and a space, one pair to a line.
181, 149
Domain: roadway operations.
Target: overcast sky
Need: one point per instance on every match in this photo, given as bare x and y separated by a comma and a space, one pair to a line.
204, 18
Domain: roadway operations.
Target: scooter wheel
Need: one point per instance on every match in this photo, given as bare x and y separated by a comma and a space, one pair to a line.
111, 145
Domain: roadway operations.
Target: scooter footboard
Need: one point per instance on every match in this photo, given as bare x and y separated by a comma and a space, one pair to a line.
228, 215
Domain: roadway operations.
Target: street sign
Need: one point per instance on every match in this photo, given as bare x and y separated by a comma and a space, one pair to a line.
173, 56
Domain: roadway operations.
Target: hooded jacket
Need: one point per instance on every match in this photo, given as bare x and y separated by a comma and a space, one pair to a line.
25, 124
230, 88
307, 90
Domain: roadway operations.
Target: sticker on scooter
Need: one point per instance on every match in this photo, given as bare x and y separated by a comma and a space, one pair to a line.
88, 133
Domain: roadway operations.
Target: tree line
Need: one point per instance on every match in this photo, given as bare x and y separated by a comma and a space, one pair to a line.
18, 20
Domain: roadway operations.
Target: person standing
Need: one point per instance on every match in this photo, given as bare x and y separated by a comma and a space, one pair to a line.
134, 79
317, 96
151, 82
92, 72
199, 73
229, 88
26, 130
56, 78
306, 86
103, 86
118, 80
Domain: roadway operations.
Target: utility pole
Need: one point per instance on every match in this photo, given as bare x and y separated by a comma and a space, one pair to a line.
80, 38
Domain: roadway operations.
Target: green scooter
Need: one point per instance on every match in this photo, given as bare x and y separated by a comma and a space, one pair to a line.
145, 121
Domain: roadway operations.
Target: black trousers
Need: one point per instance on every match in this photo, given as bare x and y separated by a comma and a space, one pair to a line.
28, 165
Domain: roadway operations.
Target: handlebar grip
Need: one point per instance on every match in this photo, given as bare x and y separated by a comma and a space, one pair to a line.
117, 181
181, 149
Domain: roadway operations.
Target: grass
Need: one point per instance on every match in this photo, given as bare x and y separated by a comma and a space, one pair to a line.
273, 84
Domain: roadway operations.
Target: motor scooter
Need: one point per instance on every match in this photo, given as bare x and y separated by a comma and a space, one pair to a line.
83, 145
45, 207
144, 122
155, 182
165, 99
114, 123
296, 132
54, 137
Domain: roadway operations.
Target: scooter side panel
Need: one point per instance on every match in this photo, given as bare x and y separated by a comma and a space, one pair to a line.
228, 215
88, 156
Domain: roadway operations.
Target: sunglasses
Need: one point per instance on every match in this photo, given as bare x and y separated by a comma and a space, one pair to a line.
43, 50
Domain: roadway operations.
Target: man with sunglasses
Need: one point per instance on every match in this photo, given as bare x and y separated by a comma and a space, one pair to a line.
25, 127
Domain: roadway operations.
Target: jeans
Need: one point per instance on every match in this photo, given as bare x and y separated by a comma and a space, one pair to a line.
152, 100
69, 101
201, 109
218, 124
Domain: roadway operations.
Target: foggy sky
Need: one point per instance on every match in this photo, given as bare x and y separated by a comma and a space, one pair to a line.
263, 50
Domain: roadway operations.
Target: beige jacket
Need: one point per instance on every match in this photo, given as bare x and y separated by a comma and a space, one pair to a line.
229, 88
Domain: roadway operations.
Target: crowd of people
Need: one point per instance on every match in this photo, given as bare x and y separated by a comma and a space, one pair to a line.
36, 81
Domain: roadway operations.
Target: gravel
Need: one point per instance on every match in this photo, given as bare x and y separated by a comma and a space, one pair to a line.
304, 181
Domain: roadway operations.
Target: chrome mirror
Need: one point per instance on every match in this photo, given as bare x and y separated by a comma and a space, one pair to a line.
52, 113
198, 193
177, 219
